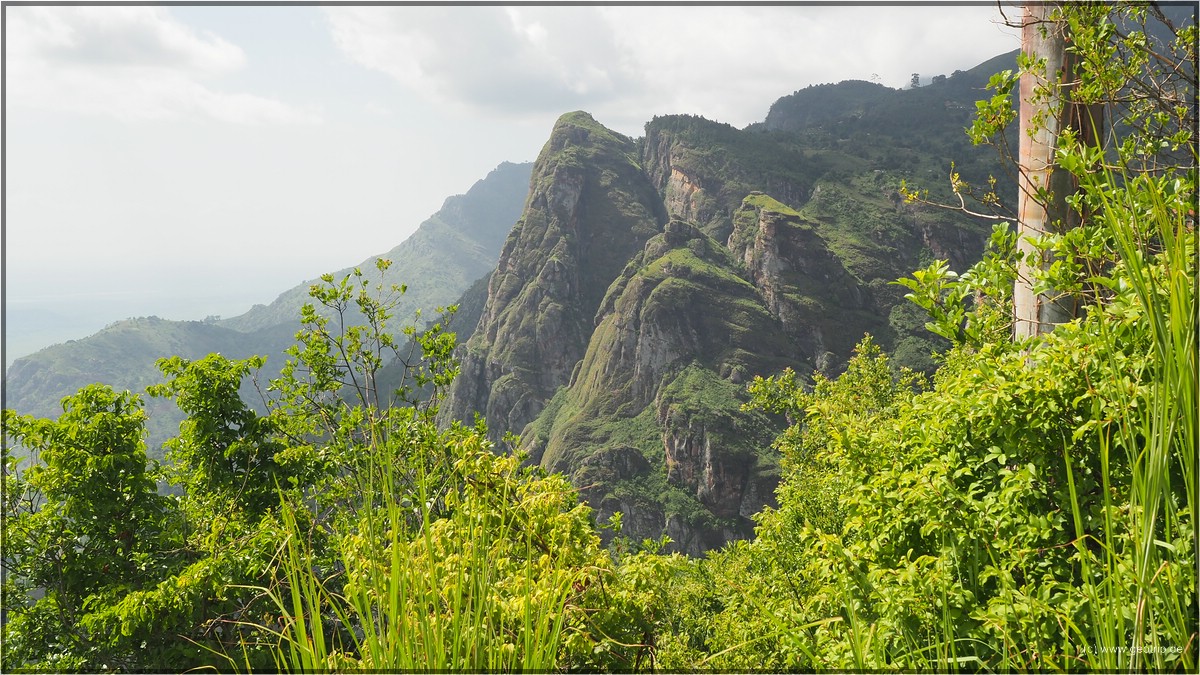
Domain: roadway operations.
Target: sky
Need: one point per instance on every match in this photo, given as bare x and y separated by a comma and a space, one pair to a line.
187, 161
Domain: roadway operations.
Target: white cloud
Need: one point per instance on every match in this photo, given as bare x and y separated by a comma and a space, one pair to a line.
121, 36
132, 63
376, 109
626, 64
499, 59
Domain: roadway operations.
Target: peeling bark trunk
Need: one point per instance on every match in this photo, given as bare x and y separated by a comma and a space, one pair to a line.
1046, 109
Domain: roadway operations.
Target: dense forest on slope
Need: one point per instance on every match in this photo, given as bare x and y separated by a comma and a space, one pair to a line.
1015, 503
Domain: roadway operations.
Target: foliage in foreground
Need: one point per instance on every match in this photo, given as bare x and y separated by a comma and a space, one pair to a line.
1033, 509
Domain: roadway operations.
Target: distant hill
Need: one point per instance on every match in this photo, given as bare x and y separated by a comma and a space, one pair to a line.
448, 252
930, 118
122, 355
451, 250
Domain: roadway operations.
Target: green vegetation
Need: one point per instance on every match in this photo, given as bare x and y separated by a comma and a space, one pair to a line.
1032, 509
918, 526
652, 409
590, 209
341, 530
1030, 505
762, 201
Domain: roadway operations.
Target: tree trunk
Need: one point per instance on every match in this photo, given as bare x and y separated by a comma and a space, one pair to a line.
1045, 110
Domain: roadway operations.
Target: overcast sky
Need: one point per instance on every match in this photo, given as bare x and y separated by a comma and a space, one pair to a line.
186, 161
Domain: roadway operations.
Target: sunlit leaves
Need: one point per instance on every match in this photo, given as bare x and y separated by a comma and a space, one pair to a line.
973, 308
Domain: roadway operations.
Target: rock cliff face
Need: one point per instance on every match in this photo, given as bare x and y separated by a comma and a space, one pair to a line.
681, 188
652, 414
717, 454
804, 285
589, 209
704, 169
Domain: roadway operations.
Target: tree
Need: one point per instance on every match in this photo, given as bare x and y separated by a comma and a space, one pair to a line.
1048, 110
1083, 63
1119, 79
225, 455
416, 547
348, 385
132, 580
82, 526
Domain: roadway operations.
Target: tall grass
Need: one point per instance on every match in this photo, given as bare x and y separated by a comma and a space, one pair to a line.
472, 590
1149, 222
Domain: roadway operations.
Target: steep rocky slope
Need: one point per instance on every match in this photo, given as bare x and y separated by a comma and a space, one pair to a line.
590, 208
805, 286
651, 413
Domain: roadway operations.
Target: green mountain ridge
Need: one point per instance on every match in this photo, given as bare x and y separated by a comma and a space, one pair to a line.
678, 330
443, 257
552, 273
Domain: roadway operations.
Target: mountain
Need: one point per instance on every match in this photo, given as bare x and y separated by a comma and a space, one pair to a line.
122, 355
651, 414
649, 280
449, 252
590, 208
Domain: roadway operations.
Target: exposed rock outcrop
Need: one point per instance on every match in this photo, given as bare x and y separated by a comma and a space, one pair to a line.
804, 285
648, 283
703, 169
704, 458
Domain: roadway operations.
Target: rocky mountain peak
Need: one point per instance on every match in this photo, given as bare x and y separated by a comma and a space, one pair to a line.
648, 282
590, 208
655, 399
